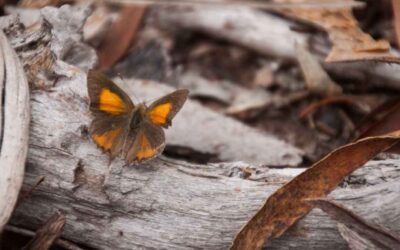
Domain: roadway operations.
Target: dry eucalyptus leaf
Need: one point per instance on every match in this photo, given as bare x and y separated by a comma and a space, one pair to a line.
350, 43
396, 21
120, 36
363, 104
288, 204
243, 3
39, 3
388, 120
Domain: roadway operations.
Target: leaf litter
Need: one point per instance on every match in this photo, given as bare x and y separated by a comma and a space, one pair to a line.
350, 43
289, 203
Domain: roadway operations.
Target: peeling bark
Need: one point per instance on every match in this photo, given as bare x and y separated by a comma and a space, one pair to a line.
14, 125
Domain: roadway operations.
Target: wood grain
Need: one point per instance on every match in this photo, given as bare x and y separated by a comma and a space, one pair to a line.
14, 120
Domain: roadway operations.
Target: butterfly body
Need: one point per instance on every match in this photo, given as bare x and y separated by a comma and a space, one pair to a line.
138, 115
124, 129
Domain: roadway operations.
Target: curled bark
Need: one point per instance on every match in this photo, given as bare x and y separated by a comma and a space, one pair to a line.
14, 125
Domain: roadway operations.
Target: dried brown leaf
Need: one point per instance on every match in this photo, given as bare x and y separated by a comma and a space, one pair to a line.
389, 121
288, 204
396, 21
378, 236
340, 99
120, 36
38, 3
248, 3
378, 112
350, 43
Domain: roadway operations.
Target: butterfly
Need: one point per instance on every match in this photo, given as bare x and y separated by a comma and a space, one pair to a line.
122, 128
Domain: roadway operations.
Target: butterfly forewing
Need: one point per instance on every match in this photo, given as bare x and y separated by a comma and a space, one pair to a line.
162, 111
105, 96
111, 108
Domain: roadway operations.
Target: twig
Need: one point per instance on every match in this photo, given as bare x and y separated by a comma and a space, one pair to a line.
338, 99
47, 234
25, 232
29, 192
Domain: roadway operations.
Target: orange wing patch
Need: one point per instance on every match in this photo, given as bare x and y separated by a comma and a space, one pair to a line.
159, 114
111, 103
145, 149
106, 140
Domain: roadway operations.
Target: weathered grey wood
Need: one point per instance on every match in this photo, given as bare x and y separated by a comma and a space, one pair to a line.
356, 241
14, 128
268, 35
372, 193
168, 204
178, 205
380, 237
208, 132
254, 29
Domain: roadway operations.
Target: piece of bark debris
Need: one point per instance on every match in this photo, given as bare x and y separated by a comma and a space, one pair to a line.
48, 233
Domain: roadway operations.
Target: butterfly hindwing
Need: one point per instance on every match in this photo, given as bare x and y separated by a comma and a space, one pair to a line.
109, 132
111, 110
164, 109
147, 142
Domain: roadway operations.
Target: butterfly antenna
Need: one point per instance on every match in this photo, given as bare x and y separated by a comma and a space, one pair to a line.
122, 79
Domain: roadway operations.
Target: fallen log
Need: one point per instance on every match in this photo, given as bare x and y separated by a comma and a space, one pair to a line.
172, 204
